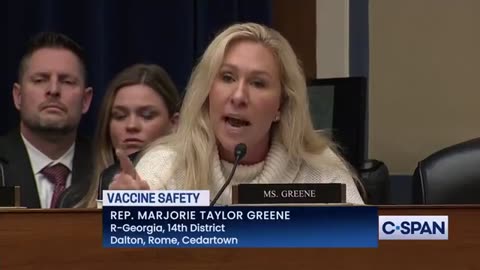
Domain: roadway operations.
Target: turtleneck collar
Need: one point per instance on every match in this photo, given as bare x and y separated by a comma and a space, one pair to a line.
243, 173
275, 168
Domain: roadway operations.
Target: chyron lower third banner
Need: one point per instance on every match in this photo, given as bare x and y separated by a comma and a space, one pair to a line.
234, 226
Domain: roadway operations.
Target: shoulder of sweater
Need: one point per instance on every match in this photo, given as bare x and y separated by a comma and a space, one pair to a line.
326, 160
328, 167
158, 151
155, 162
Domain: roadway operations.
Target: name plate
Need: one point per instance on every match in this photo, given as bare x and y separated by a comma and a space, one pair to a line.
10, 196
288, 193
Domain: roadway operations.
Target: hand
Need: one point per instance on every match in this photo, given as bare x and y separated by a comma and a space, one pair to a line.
128, 177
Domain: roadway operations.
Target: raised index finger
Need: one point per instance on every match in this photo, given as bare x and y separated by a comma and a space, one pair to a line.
125, 164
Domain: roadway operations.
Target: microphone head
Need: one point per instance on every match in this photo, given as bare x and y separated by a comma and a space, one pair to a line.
240, 151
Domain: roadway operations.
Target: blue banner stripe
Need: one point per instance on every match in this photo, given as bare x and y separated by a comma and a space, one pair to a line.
288, 227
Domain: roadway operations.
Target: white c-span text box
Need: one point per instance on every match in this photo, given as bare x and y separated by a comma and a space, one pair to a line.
413, 227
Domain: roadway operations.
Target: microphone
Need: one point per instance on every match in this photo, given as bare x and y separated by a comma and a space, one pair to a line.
2, 174
240, 151
105, 178
100, 187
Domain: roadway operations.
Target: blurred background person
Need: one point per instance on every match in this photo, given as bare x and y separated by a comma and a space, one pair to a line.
44, 156
140, 105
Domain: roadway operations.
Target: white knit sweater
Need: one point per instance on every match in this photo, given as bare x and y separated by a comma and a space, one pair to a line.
155, 167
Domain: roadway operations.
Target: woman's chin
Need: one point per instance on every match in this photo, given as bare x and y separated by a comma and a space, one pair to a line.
226, 150
131, 150
229, 144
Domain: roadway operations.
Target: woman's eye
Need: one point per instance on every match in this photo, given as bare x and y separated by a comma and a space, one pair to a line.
259, 84
228, 78
148, 115
118, 115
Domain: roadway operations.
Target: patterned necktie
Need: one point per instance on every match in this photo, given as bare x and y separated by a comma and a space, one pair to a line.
57, 175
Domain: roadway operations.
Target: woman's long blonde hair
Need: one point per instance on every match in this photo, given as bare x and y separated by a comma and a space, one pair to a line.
195, 141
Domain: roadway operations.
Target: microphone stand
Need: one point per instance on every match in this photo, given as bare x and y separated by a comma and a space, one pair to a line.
240, 151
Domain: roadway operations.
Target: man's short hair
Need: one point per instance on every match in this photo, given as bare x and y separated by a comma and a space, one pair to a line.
52, 40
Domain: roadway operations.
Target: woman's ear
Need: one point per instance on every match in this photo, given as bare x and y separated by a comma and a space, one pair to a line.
174, 121
277, 117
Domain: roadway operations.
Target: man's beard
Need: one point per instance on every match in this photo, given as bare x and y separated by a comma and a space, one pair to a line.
49, 127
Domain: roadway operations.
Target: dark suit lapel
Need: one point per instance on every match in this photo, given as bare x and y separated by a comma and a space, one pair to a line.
82, 163
81, 173
18, 170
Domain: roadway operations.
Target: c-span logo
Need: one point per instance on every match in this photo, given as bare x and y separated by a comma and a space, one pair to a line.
413, 227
